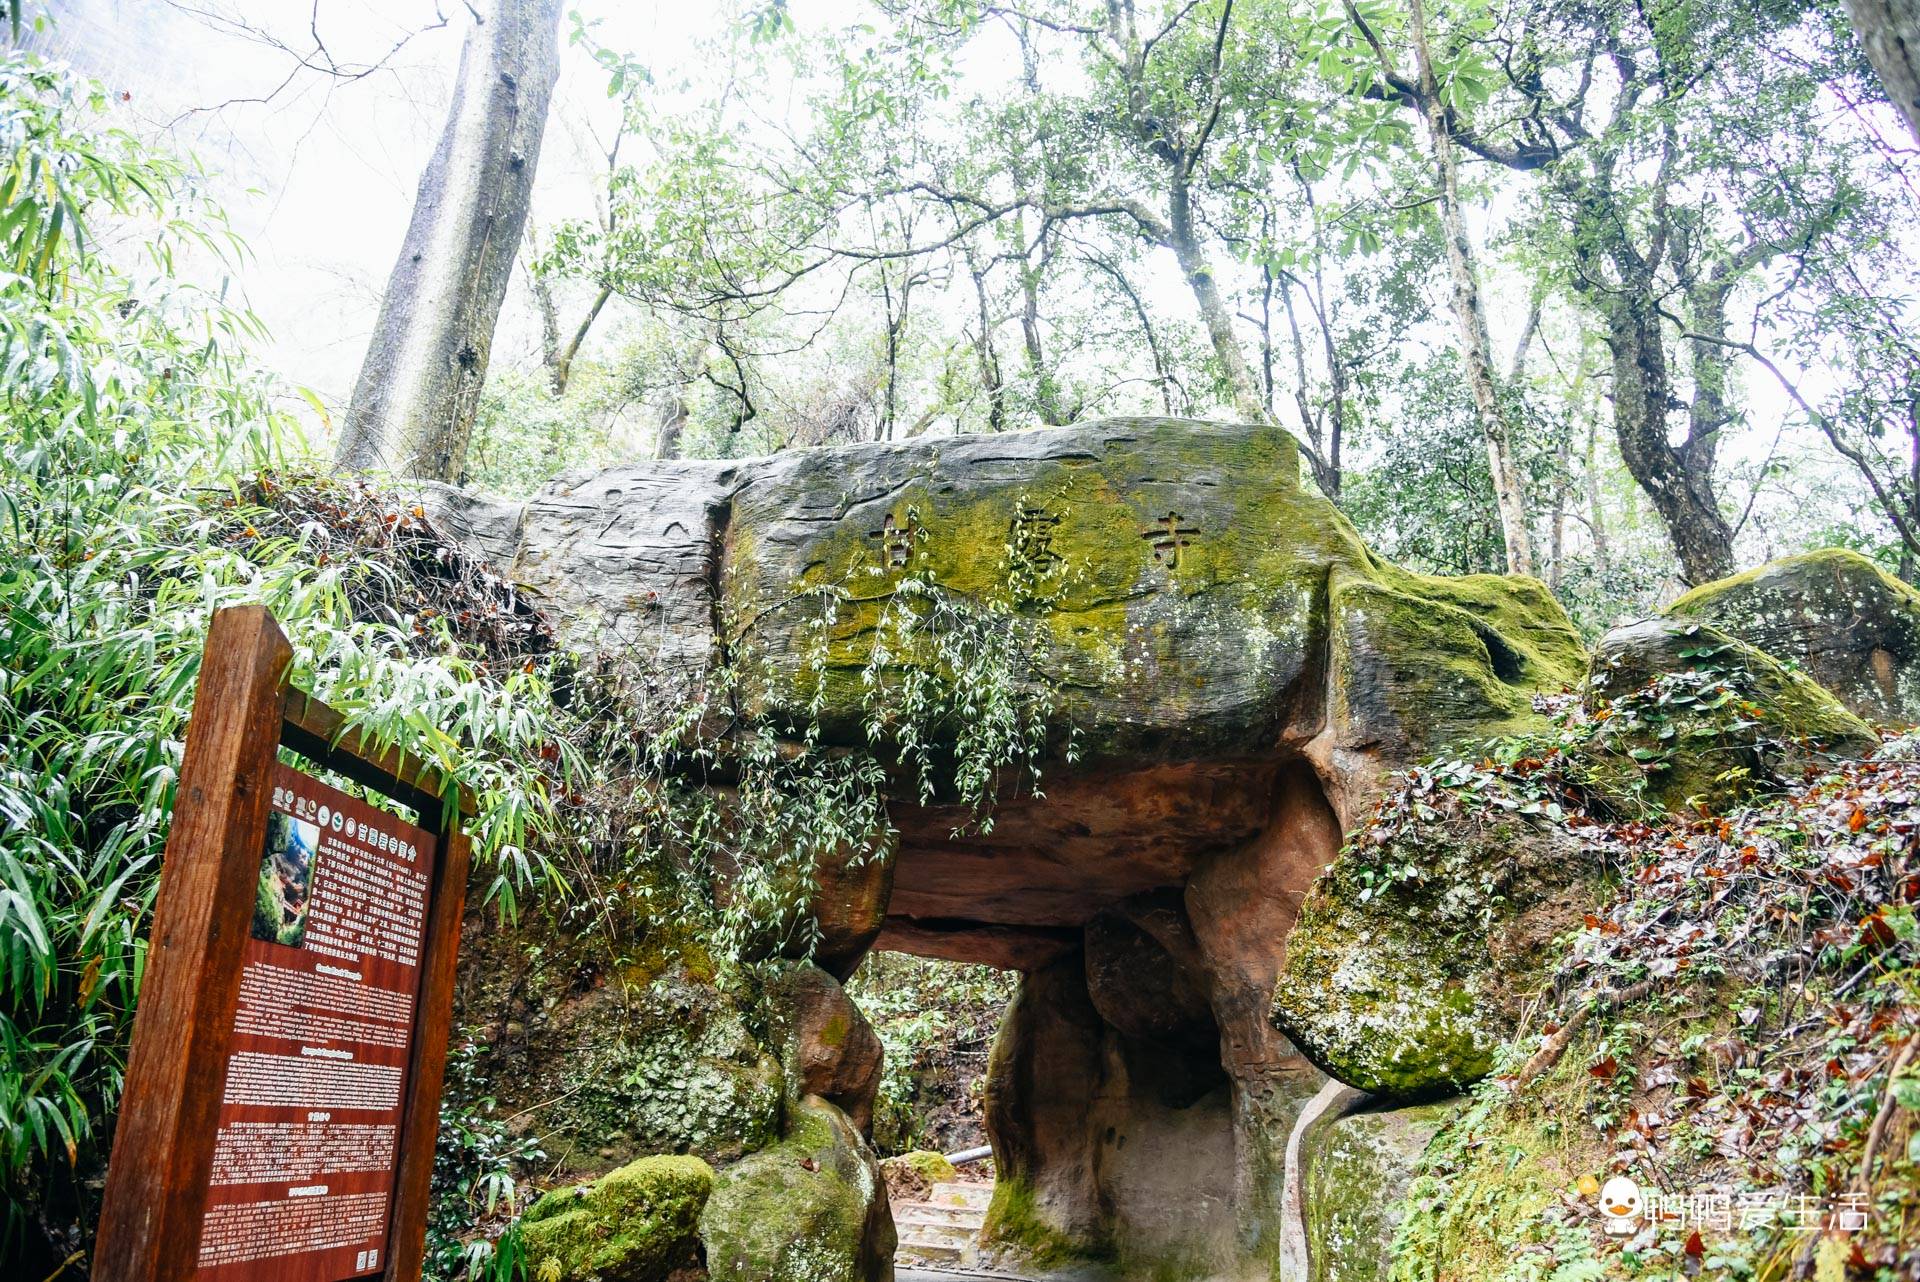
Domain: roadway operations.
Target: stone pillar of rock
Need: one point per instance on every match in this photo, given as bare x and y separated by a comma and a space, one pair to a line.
1242, 905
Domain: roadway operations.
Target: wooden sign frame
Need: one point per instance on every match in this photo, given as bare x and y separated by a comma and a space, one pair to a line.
244, 711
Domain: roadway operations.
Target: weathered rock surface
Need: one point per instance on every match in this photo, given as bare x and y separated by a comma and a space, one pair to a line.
812, 1208
635, 1224
1687, 745
1410, 961
1126, 1141
828, 1048
1355, 1169
1847, 623
1144, 974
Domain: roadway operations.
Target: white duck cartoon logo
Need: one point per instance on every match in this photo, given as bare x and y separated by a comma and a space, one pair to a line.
1620, 1206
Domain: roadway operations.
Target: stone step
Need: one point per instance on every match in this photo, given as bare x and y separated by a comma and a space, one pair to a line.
955, 1194
944, 1229
929, 1213
953, 1234
929, 1253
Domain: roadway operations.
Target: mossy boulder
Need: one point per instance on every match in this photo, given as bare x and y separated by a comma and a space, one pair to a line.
1172, 579
812, 1208
1413, 955
911, 1176
1847, 623
1691, 717
1354, 1172
634, 1224
1174, 582
1420, 663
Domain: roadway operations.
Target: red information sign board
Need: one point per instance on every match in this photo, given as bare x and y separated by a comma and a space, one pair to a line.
303, 1163
283, 1088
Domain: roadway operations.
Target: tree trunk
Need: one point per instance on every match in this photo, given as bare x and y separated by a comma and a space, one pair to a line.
671, 426
1046, 391
1596, 515
419, 386
990, 381
543, 302
560, 370
1475, 345
1889, 31
1701, 538
1213, 309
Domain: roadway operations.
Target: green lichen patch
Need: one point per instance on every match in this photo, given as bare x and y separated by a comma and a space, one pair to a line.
631, 1225
1018, 1228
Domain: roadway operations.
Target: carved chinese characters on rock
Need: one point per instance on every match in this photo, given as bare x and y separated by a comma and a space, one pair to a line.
303, 1165
1169, 537
895, 540
1032, 538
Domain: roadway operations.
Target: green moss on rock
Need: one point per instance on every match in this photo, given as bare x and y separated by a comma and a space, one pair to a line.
1849, 624
669, 1066
1410, 960
1018, 1228
811, 1208
631, 1225
1172, 579
1354, 1171
930, 1166
1421, 663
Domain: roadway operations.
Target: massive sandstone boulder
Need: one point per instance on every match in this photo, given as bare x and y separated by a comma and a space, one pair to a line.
1849, 624
1236, 671
1204, 618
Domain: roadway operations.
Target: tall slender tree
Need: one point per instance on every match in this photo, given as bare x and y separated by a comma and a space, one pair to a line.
419, 386
1423, 88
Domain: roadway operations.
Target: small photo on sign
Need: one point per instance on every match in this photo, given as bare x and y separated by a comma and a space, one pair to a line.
286, 880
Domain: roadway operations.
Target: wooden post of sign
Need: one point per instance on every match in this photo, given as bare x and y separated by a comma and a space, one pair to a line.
164, 1143
414, 1184
150, 1220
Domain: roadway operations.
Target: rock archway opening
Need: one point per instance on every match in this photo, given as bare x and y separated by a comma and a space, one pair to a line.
1138, 1097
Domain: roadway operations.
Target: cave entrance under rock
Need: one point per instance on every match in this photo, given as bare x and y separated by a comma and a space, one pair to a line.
1139, 1099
